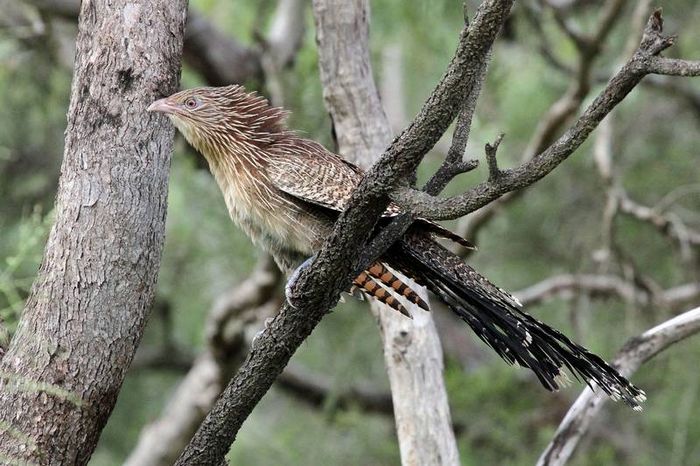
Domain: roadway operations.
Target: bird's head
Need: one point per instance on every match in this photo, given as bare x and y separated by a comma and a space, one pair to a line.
214, 118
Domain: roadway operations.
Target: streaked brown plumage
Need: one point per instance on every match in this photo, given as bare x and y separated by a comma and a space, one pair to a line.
286, 192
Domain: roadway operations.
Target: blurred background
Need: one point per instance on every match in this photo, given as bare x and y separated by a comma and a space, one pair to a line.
604, 248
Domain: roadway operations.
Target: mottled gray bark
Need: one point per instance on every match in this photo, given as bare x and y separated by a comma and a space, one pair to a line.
85, 316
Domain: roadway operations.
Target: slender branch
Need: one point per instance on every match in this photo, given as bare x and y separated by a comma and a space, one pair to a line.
454, 164
643, 62
665, 223
602, 285
673, 66
633, 354
560, 112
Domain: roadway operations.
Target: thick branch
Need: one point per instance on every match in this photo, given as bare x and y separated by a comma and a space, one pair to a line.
633, 354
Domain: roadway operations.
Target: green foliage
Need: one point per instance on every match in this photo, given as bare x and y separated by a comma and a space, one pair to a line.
21, 246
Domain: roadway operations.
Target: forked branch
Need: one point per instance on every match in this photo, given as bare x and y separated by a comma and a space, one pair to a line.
644, 61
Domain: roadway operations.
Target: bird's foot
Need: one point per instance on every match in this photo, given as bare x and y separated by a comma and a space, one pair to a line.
289, 287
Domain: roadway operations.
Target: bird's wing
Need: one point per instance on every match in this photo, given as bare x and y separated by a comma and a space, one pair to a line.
308, 171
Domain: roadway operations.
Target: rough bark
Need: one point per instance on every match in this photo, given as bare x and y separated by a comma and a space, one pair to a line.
85, 316
412, 349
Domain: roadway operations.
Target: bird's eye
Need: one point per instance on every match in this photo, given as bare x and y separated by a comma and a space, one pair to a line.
191, 103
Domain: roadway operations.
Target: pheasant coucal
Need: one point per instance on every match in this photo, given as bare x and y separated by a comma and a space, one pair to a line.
286, 192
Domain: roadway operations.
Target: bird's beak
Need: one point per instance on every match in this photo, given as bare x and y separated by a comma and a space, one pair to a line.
162, 105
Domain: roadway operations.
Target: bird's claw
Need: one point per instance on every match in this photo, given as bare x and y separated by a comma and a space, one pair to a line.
289, 287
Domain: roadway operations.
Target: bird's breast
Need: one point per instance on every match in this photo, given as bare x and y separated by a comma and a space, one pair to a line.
271, 220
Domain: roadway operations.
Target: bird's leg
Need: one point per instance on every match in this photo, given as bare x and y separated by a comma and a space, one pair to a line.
293, 279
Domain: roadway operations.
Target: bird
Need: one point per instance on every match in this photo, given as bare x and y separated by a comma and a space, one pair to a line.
286, 191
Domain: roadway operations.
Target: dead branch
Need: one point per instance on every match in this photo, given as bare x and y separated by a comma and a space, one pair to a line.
602, 285
633, 354
646, 60
560, 112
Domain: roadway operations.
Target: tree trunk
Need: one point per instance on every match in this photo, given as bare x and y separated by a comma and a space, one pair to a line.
85, 316
412, 349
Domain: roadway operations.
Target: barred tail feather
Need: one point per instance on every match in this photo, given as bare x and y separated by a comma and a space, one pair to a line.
386, 277
374, 289
498, 320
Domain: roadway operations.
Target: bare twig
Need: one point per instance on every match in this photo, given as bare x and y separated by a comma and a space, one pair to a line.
561, 111
644, 61
491, 149
633, 354
568, 285
454, 163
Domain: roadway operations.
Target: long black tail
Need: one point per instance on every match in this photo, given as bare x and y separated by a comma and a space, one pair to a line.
498, 319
